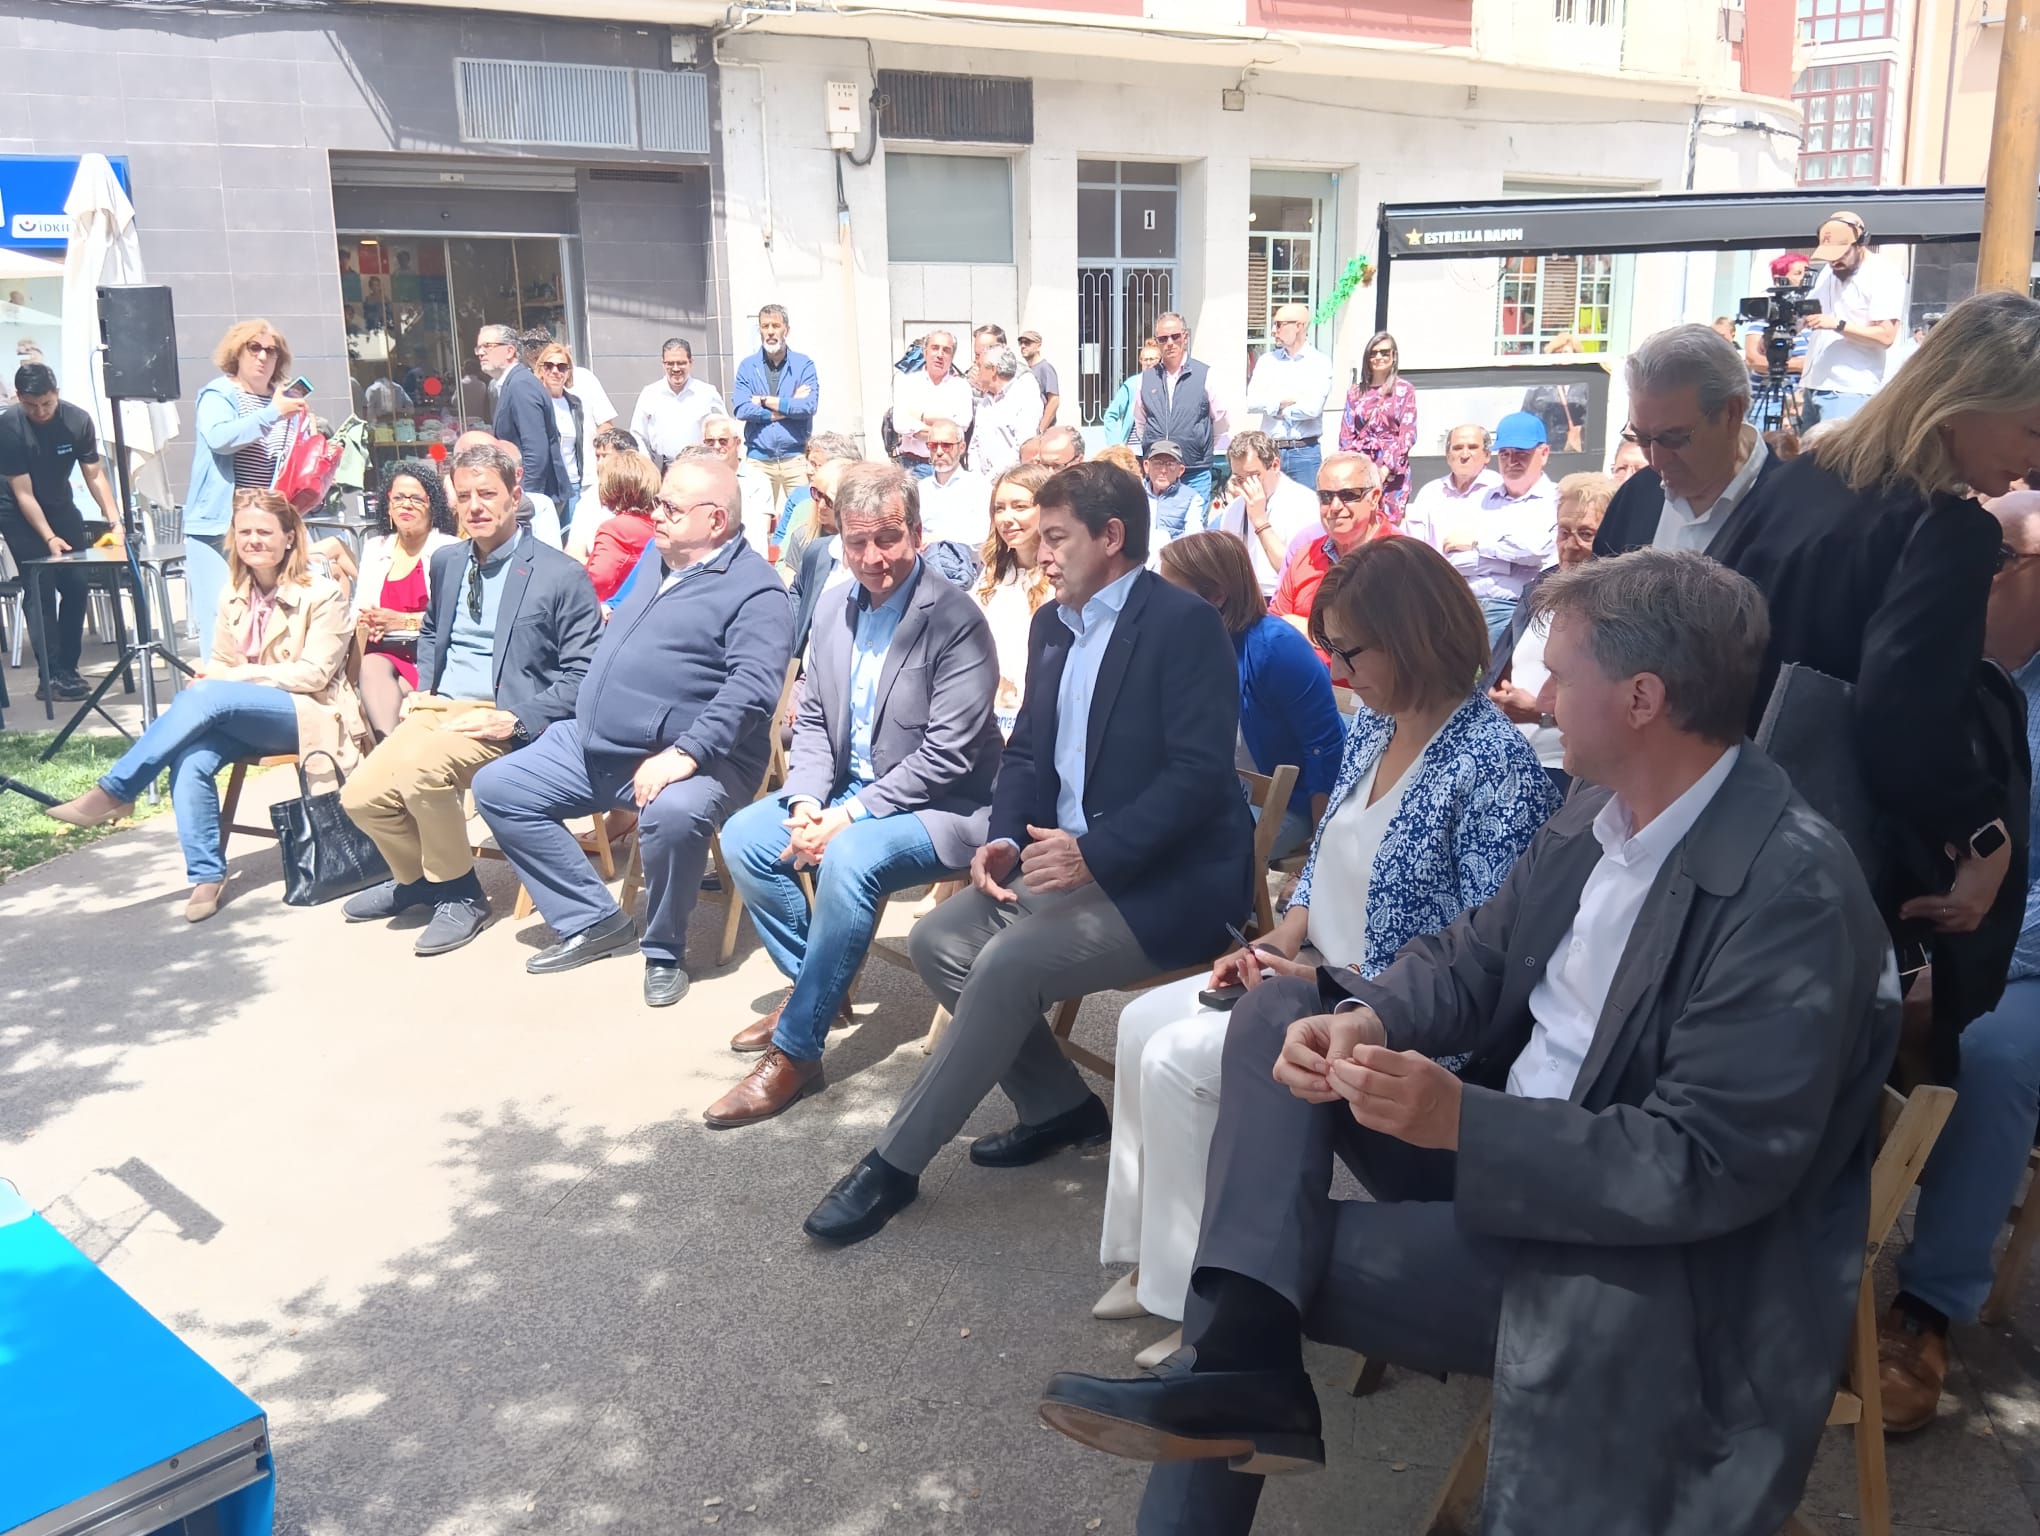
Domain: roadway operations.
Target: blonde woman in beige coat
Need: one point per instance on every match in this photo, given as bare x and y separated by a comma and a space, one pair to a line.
276, 683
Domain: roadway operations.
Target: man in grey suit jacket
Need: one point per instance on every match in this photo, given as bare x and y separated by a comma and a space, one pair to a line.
889, 786
1641, 1207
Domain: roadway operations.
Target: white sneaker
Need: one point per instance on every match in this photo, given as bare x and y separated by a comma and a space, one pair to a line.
1119, 1304
1159, 1351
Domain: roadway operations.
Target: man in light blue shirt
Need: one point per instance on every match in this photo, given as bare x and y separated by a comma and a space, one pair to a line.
1092, 626
1290, 384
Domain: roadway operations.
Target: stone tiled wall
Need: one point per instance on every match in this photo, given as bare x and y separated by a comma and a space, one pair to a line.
228, 123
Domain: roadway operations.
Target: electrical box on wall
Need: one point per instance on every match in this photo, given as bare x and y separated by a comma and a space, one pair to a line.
840, 114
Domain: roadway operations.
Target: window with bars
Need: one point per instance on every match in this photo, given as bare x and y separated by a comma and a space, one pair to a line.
1542, 298
1587, 13
1843, 21
1845, 106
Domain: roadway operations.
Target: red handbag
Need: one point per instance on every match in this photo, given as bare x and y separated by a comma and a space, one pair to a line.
307, 471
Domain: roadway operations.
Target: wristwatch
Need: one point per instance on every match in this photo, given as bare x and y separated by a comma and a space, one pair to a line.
519, 733
1986, 840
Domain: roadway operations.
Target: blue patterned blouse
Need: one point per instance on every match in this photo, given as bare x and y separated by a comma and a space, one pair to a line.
1479, 797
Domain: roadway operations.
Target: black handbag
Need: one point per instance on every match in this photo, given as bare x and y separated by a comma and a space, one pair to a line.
324, 853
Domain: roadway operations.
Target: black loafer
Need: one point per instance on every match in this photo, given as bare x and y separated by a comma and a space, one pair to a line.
863, 1201
1257, 1421
665, 984
1088, 1125
613, 934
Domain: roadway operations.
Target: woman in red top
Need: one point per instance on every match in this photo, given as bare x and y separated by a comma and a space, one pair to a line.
1349, 506
629, 488
390, 587
1381, 421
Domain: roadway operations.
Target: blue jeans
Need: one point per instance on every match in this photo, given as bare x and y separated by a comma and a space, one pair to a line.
1497, 611
207, 726
1199, 480
1301, 465
205, 580
1974, 1172
1831, 405
820, 952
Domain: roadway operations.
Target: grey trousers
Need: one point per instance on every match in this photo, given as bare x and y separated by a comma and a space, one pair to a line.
1394, 1278
998, 969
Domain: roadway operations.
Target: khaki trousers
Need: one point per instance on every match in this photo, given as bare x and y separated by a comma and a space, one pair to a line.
787, 476
408, 796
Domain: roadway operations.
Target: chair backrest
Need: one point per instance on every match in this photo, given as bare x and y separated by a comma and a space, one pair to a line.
775, 760
1908, 1126
1268, 793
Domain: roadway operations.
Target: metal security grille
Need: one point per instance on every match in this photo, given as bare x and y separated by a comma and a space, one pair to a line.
582, 106
955, 109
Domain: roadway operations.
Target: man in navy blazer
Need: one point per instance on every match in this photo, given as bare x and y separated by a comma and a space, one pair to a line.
502, 648
673, 721
1119, 846
889, 786
524, 413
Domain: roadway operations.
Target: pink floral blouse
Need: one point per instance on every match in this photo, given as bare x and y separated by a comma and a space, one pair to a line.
1382, 423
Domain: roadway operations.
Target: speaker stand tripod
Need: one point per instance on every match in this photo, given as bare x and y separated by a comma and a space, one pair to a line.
143, 648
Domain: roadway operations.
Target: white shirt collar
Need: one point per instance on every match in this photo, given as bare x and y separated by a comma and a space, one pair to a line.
1654, 844
1109, 599
1736, 489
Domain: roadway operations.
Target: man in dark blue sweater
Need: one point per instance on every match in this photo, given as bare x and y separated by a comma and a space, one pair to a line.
674, 720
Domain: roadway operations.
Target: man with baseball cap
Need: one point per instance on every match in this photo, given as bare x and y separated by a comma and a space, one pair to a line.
1861, 303
1500, 544
1174, 509
1044, 375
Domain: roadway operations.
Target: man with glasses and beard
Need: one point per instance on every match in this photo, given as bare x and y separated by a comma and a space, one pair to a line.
505, 641
674, 722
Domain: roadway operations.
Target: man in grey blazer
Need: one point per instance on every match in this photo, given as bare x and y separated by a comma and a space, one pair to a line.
889, 785
1641, 1207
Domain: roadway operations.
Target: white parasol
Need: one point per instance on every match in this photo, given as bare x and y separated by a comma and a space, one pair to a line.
105, 248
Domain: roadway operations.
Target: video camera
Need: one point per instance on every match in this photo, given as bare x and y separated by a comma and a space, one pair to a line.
1780, 310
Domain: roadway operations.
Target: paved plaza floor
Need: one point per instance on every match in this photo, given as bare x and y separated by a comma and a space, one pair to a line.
462, 1233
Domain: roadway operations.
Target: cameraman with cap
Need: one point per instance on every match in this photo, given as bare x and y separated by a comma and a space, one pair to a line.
1861, 300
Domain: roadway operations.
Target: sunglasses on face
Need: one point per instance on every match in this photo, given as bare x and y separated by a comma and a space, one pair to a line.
942, 442
1347, 496
261, 350
1382, 352
557, 367
720, 440
1165, 337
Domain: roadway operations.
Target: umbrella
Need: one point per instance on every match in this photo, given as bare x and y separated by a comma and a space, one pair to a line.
104, 248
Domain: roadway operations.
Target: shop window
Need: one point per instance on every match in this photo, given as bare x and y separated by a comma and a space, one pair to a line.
1289, 248
1544, 300
413, 305
1842, 21
948, 208
1845, 107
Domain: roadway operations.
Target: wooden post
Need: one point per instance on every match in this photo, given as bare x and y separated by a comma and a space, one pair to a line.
2005, 254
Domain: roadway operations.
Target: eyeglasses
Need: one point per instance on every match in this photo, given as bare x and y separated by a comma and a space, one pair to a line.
1346, 656
1382, 352
720, 440
1168, 336
944, 442
672, 511
261, 350
1675, 441
821, 498
407, 499
1347, 496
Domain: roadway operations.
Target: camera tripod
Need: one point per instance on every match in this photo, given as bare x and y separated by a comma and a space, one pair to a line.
1772, 405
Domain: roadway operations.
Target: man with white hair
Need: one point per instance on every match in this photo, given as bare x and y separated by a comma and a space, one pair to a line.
724, 436
524, 412
936, 391
1288, 389
1008, 411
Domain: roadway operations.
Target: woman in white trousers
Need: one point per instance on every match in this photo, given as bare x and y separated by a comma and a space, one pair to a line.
1437, 796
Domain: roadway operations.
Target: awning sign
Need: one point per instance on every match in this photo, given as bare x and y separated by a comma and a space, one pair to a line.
33, 189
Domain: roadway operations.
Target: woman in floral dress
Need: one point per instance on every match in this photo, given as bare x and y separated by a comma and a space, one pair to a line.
1381, 422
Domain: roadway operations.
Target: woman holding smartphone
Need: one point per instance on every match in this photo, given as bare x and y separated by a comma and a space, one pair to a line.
242, 432
1437, 796
391, 591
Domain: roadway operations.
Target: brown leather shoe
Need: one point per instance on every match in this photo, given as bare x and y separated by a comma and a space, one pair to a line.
773, 1086
757, 1034
1912, 1365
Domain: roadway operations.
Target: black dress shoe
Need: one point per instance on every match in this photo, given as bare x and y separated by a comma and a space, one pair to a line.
665, 984
1257, 1421
614, 933
66, 689
1088, 1125
863, 1201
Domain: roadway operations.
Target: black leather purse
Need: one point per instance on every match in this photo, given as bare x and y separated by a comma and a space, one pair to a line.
325, 855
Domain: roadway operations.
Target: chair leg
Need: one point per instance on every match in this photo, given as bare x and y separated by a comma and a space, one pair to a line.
522, 909
935, 1028
735, 915
1368, 1373
2011, 1264
1873, 1494
229, 803
1457, 1507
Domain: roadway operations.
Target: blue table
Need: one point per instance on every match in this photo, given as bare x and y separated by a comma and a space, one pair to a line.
108, 1422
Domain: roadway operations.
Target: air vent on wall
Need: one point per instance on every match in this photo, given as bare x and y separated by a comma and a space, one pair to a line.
582, 106
955, 109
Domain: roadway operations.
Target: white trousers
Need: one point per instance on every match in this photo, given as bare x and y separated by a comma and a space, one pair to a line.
1164, 1111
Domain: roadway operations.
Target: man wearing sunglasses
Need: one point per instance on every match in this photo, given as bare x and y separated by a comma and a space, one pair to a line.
524, 411
505, 641
674, 722
1349, 506
724, 437
1175, 401
1288, 389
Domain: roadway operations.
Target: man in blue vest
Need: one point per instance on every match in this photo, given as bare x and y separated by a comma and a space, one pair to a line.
1175, 402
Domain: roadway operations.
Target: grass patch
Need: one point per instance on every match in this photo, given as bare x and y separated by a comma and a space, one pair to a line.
27, 837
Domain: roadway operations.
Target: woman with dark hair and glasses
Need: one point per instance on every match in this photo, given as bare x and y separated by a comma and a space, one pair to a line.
392, 588
1381, 421
1437, 797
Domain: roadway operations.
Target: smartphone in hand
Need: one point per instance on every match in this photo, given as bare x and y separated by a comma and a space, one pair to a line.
298, 388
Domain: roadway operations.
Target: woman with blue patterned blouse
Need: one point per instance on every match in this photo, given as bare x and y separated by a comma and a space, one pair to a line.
1437, 796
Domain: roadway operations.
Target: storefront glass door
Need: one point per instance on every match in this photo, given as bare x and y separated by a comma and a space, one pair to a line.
1126, 272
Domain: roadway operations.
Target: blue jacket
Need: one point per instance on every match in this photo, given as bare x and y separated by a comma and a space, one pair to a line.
1119, 414
1480, 795
698, 666
1288, 713
765, 438
1170, 839
524, 416
220, 428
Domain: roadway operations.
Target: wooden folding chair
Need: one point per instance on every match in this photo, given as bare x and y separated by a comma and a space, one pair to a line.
230, 802
1269, 794
1909, 1125
600, 842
